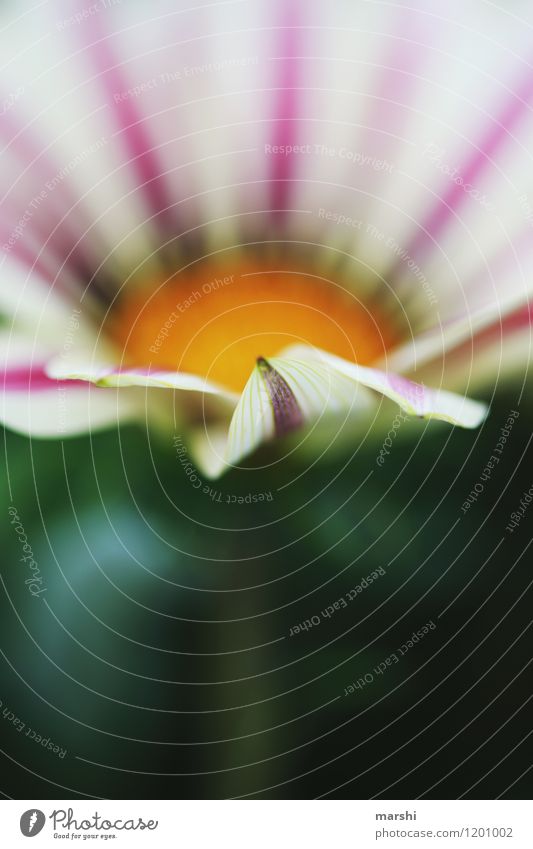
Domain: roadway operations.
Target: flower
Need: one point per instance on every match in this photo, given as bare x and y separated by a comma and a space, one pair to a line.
253, 218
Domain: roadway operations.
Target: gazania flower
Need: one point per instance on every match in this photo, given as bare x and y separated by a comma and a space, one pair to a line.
245, 219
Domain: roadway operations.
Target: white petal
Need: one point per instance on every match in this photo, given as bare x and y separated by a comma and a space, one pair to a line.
415, 398
252, 422
67, 410
439, 340
113, 376
33, 404
23, 295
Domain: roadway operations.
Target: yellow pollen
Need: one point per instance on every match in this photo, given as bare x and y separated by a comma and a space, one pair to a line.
216, 323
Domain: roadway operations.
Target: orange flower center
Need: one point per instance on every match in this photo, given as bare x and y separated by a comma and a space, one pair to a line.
216, 323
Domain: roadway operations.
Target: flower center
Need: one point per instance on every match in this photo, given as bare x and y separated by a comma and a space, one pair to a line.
216, 322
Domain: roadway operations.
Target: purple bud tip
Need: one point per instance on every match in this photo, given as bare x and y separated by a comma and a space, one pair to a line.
287, 413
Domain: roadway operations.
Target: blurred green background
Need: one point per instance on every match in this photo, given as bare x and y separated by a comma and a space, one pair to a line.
160, 660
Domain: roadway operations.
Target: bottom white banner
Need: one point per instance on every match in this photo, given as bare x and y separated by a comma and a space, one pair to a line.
262, 824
